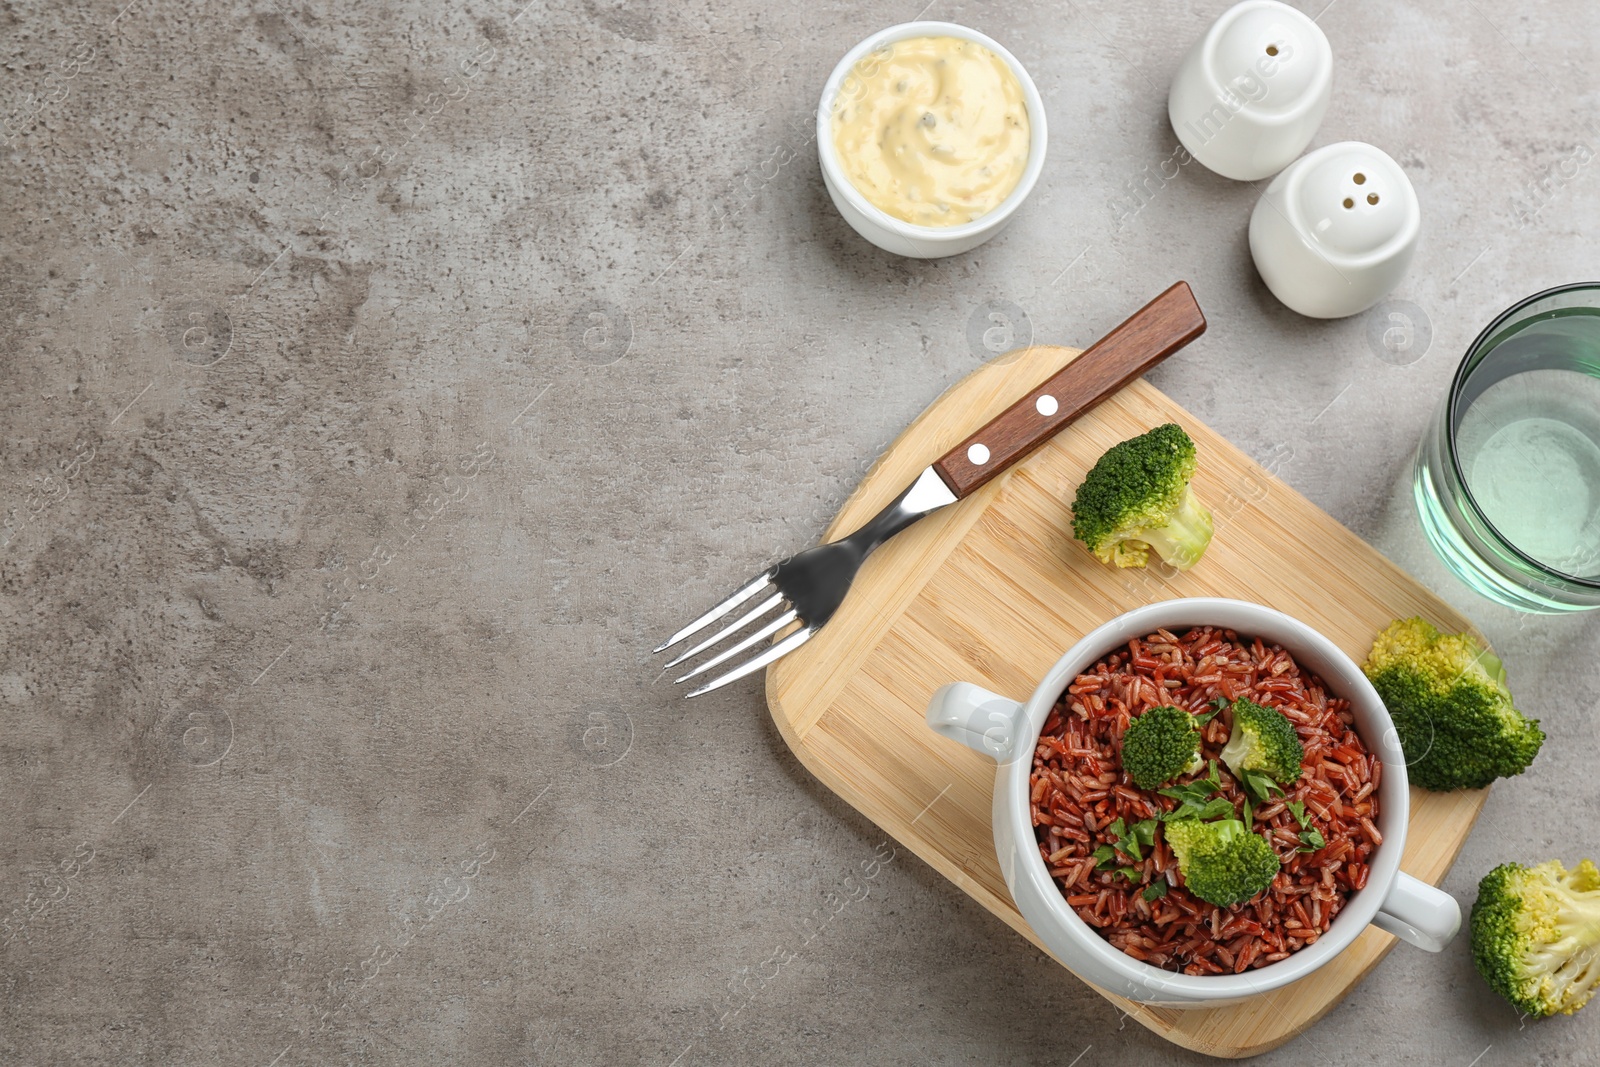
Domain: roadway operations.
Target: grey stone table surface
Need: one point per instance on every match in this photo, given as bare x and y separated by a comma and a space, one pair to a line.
378, 381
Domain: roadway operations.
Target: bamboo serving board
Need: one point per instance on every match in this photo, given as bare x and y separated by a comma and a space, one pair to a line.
993, 590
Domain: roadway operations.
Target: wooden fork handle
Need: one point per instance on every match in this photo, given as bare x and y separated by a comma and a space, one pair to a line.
1153, 333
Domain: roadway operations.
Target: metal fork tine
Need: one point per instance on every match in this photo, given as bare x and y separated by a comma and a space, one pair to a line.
732, 628
777, 651
758, 583
766, 631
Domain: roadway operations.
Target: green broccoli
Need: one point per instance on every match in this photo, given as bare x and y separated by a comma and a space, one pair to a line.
1160, 745
1263, 742
1221, 862
1447, 695
1138, 498
1536, 933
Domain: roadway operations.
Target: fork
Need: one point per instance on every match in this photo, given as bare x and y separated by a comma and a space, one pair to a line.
809, 587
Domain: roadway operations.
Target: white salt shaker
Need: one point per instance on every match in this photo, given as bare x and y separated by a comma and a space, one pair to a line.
1250, 94
1334, 233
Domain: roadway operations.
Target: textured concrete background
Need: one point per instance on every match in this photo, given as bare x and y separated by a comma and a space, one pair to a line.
380, 381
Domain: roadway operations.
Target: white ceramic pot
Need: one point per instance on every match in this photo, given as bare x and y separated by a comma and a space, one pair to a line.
907, 238
1249, 95
1008, 732
1334, 234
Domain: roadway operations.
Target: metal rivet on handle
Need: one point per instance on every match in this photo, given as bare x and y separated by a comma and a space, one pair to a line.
1046, 405
978, 455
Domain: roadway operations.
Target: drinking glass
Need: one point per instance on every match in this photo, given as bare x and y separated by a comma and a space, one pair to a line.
1507, 479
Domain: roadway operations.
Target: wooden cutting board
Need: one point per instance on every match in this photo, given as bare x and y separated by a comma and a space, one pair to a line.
994, 590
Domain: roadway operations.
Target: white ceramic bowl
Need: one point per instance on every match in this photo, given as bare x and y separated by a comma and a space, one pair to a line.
907, 238
1247, 98
1008, 732
1326, 260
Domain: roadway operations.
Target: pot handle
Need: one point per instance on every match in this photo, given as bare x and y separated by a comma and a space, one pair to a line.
1415, 911
983, 721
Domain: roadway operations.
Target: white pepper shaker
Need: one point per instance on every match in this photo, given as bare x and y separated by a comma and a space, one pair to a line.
1250, 94
1334, 233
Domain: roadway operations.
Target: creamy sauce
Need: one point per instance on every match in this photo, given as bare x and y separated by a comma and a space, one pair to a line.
932, 130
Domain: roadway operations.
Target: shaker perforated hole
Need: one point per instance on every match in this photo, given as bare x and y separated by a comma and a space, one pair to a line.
1348, 203
1272, 49
1372, 198
1360, 179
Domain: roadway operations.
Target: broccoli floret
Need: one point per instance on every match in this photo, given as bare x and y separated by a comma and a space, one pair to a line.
1160, 745
1536, 934
1221, 862
1138, 498
1263, 741
1447, 695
